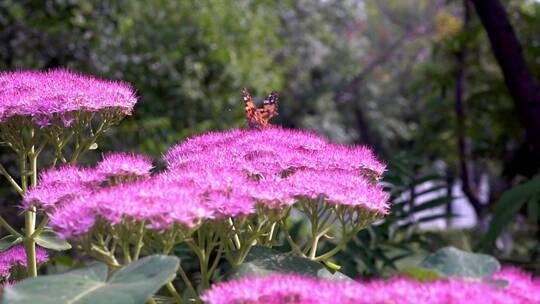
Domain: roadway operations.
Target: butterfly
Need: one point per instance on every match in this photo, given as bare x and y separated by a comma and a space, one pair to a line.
257, 118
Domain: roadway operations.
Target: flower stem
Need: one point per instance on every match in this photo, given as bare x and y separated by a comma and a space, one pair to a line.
10, 179
294, 247
29, 215
104, 255
186, 280
8, 227
335, 250
40, 227
80, 150
271, 234
140, 243
125, 251
173, 292
346, 237
236, 239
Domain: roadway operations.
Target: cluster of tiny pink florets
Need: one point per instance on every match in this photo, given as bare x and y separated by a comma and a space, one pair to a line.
61, 184
212, 176
294, 163
124, 164
42, 95
181, 197
275, 289
16, 256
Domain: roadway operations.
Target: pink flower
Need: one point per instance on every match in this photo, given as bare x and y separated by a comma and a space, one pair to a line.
73, 219
338, 187
43, 96
220, 175
297, 289
520, 284
289, 163
184, 197
124, 164
70, 174
275, 290
60, 184
16, 256
256, 149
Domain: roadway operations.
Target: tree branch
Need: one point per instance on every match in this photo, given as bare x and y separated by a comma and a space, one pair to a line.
521, 84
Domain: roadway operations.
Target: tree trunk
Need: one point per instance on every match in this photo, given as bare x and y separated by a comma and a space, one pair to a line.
520, 82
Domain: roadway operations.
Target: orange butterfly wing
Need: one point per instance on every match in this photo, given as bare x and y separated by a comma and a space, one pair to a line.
258, 118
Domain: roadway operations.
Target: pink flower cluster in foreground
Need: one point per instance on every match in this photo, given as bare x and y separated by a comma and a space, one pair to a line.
41, 95
16, 256
212, 176
279, 289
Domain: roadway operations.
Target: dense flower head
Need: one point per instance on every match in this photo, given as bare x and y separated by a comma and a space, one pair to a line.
16, 256
183, 197
213, 176
520, 284
76, 198
42, 95
60, 184
297, 289
338, 187
293, 163
255, 150
124, 164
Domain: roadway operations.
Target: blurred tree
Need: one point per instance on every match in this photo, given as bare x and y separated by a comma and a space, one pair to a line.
189, 61
521, 83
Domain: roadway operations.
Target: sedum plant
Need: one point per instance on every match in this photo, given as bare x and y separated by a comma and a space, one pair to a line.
59, 110
221, 194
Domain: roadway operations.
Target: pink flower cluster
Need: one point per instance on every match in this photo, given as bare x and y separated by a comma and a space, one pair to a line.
75, 197
16, 256
124, 164
212, 176
185, 198
276, 289
59, 185
521, 284
42, 95
292, 163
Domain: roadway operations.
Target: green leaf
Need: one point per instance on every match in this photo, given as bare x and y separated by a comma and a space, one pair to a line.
533, 209
507, 207
50, 240
134, 283
9, 241
453, 262
264, 261
422, 274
